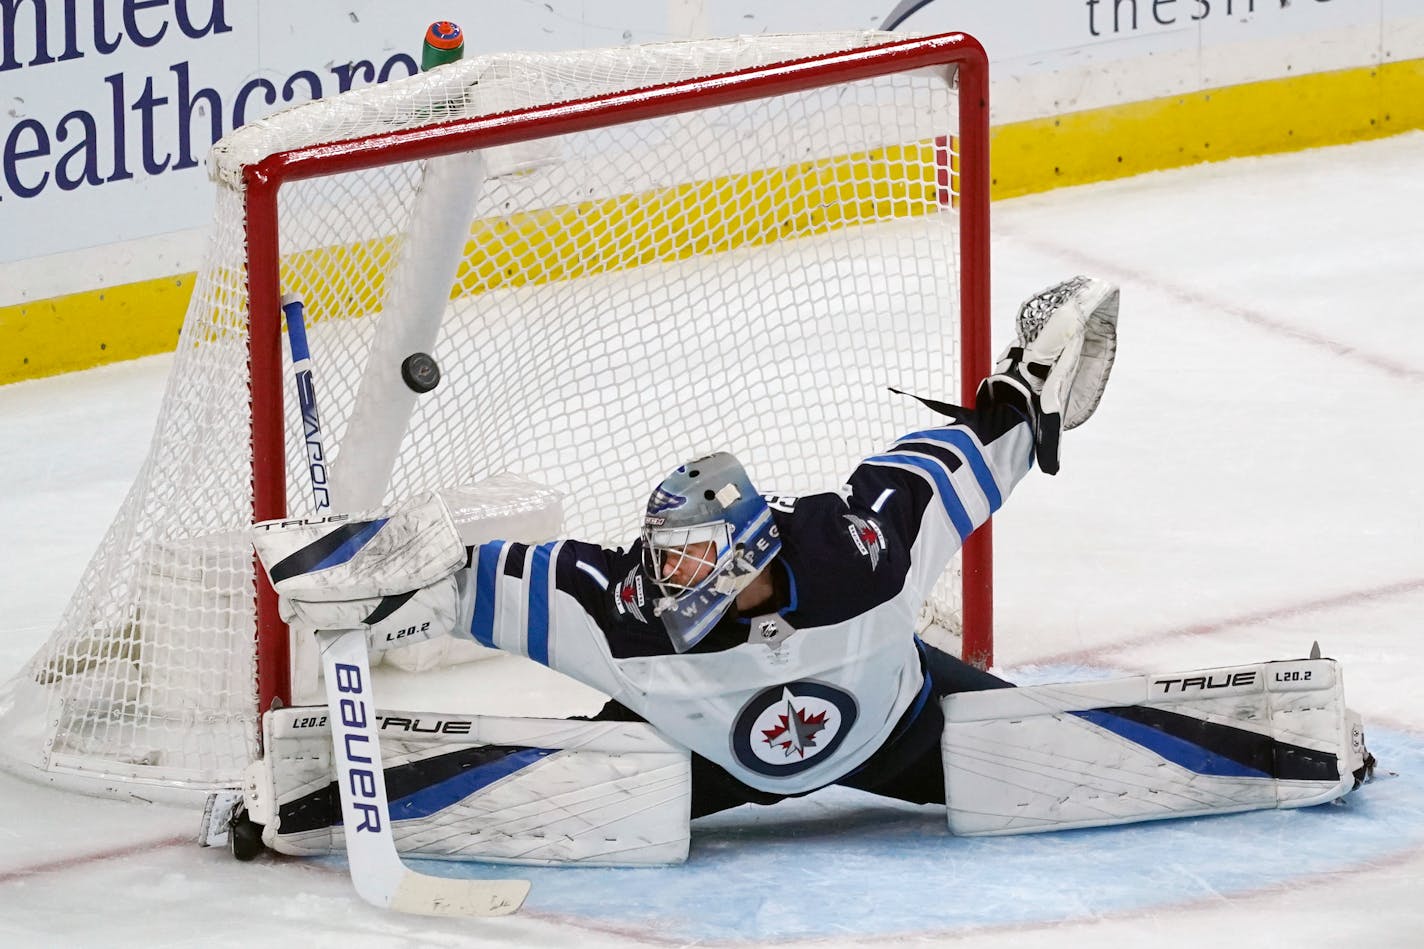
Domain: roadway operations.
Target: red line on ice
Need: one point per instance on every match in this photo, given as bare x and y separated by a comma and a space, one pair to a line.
86, 859
1198, 300
1271, 614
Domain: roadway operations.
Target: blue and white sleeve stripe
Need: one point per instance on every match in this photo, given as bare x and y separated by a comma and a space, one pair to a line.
512, 606
967, 447
540, 578
944, 490
953, 461
487, 572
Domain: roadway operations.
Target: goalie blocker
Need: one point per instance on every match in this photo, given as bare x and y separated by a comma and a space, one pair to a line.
1089, 754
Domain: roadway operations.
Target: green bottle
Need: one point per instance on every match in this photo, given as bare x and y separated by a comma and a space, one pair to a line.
444, 43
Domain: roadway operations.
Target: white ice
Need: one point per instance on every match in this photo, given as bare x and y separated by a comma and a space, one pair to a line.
1251, 484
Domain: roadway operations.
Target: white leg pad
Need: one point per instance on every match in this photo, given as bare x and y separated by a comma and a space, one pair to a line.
506, 790
1089, 754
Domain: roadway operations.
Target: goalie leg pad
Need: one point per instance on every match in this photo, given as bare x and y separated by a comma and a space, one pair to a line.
1054, 757
505, 790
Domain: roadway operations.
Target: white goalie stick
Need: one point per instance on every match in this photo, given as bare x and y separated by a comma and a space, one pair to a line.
377, 872
376, 869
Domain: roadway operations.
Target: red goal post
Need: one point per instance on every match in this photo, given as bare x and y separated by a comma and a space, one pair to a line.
957, 51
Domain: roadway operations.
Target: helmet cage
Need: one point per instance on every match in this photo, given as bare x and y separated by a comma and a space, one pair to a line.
689, 613
670, 552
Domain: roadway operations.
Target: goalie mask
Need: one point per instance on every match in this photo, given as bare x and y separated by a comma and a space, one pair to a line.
706, 535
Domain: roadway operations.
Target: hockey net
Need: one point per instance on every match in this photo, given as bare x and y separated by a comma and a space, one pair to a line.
620, 258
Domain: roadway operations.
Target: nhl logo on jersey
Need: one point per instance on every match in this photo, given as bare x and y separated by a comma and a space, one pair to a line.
788, 728
867, 537
628, 596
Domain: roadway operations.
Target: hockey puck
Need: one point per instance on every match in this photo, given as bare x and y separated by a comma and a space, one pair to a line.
420, 372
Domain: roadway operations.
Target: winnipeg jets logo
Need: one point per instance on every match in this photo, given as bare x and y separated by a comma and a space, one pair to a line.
795, 730
788, 728
628, 596
664, 501
867, 537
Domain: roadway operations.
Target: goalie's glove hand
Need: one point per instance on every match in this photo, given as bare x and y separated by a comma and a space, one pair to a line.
1059, 362
395, 573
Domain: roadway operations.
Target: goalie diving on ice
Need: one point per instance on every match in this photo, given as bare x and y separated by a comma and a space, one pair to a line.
765, 645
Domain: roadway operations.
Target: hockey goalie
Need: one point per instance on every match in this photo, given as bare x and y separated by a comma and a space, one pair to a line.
757, 647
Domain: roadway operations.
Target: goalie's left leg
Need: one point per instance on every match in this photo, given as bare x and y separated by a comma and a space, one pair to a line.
1087, 754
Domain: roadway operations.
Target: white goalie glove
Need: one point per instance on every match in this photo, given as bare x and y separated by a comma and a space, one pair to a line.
1062, 354
396, 575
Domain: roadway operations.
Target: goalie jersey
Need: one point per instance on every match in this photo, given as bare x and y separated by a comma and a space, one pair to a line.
789, 701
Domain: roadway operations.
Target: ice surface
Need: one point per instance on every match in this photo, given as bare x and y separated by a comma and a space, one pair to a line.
1250, 484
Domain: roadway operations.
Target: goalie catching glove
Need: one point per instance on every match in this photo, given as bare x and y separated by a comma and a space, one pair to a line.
397, 576
1059, 362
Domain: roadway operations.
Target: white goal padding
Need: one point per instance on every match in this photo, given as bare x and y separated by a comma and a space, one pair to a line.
409, 323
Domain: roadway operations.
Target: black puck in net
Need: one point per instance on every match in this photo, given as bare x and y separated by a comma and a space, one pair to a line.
420, 372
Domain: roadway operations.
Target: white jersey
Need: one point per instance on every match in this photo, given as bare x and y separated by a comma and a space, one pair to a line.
791, 701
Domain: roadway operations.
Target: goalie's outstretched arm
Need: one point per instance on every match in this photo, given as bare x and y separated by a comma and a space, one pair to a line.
935, 486
543, 601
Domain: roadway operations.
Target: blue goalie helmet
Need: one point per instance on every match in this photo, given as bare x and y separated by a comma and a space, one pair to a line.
707, 533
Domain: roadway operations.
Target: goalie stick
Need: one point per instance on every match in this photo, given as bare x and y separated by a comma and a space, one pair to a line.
376, 868
295, 312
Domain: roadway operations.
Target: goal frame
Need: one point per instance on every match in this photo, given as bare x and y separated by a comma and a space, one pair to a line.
264, 179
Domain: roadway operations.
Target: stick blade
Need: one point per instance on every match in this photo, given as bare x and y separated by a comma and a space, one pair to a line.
443, 896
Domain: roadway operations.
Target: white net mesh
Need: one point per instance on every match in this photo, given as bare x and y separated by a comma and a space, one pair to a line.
746, 277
